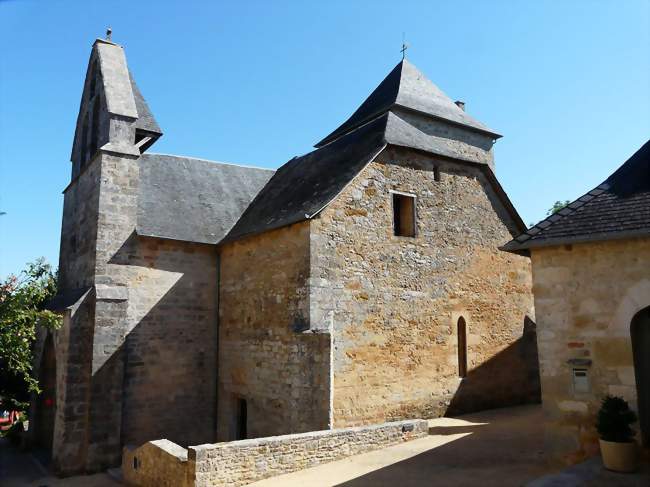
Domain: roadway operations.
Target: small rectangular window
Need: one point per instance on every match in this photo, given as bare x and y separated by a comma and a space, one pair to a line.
403, 215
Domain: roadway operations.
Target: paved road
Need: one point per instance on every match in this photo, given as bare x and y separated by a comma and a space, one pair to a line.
19, 469
497, 448
493, 448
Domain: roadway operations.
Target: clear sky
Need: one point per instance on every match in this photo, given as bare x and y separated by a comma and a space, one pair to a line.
257, 82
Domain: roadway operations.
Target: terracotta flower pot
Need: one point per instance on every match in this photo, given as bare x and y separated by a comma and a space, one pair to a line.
619, 457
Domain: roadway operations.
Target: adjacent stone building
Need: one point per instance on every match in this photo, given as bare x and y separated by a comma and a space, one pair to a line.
359, 283
591, 281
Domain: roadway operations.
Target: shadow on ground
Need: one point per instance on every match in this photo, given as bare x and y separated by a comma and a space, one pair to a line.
499, 448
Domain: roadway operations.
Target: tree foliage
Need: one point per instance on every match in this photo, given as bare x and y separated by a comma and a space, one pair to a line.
22, 300
557, 206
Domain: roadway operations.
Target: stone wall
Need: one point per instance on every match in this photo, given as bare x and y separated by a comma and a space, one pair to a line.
162, 463
394, 302
136, 361
268, 356
585, 297
170, 378
158, 463
73, 341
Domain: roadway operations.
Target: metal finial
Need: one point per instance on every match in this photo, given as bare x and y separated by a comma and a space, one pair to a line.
109, 33
405, 46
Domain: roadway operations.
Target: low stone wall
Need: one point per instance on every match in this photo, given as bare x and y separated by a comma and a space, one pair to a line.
163, 463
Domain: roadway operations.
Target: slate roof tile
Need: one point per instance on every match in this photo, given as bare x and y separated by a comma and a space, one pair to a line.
617, 208
194, 200
406, 87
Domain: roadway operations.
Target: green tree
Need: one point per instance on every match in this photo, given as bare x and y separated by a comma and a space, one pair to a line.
22, 300
557, 206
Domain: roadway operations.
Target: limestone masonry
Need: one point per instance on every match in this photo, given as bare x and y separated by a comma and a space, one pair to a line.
358, 284
591, 279
162, 463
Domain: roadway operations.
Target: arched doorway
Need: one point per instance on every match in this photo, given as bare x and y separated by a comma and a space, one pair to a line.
46, 400
462, 347
640, 331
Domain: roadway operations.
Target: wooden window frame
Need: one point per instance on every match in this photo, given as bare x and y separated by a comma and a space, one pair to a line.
414, 214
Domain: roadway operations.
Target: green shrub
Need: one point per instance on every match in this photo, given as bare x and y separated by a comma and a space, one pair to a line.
614, 420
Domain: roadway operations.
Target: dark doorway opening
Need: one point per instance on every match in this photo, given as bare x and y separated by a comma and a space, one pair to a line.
46, 401
640, 331
462, 347
241, 432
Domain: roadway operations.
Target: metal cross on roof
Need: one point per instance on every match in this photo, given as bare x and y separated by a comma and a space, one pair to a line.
405, 46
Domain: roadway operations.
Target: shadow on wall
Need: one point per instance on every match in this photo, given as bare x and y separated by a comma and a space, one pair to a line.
509, 378
165, 370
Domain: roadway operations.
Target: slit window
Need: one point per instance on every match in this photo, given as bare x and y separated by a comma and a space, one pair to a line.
462, 347
403, 215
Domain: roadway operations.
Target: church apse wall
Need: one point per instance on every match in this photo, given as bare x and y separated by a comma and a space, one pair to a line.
395, 301
273, 371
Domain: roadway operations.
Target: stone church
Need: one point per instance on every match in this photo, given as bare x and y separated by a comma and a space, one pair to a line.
205, 301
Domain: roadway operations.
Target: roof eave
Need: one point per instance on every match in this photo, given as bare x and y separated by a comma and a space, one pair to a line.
340, 133
516, 247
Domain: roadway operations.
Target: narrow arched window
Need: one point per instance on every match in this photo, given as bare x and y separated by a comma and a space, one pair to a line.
462, 347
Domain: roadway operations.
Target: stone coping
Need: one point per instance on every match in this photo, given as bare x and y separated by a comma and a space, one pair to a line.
266, 440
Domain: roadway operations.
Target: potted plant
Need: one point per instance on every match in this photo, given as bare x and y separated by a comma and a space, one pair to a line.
617, 445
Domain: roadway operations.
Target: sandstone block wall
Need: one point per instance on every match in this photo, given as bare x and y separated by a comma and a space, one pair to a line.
236, 463
394, 302
268, 356
158, 463
585, 298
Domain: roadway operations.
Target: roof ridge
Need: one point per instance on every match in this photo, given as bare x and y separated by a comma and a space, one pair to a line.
208, 160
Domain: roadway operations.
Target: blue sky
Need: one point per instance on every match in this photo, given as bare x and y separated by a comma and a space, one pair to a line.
566, 83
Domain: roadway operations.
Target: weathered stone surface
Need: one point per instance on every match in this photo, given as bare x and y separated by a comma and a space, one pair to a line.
161, 463
584, 312
267, 356
393, 302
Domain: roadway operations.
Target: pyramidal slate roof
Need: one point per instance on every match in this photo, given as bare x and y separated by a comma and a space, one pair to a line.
305, 185
406, 87
617, 208
200, 201
193, 200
